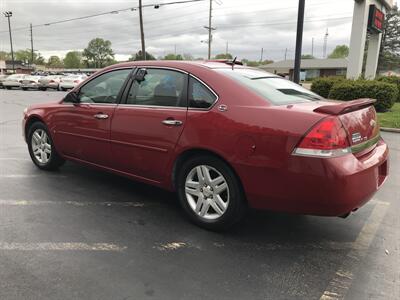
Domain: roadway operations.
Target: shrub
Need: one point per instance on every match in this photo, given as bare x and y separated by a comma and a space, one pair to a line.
322, 86
385, 93
394, 80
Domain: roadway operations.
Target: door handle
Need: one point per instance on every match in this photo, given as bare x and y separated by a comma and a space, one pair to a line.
101, 116
171, 122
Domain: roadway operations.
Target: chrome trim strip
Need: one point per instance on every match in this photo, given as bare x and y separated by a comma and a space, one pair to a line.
159, 67
364, 145
152, 106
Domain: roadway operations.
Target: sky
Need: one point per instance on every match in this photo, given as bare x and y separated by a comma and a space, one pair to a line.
245, 26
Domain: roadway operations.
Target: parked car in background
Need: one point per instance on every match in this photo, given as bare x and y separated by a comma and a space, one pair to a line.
224, 137
13, 81
50, 82
71, 81
30, 82
2, 78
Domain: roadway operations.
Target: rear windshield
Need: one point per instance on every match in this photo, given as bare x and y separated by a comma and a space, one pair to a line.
274, 89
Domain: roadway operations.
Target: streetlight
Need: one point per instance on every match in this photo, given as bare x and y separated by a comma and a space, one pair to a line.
8, 15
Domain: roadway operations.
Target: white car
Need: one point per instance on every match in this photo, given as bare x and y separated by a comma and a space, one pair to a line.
13, 81
2, 78
50, 82
30, 82
71, 81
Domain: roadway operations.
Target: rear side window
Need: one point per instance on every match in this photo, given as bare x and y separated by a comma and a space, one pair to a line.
199, 95
274, 89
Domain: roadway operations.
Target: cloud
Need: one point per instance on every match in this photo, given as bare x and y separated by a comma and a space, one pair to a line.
246, 26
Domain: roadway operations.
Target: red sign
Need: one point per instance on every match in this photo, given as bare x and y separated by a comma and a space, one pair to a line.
376, 19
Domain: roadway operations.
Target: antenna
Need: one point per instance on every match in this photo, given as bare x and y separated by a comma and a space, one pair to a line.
325, 43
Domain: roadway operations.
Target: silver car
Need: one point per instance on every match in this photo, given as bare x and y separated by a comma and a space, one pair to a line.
50, 82
71, 81
2, 78
30, 82
13, 81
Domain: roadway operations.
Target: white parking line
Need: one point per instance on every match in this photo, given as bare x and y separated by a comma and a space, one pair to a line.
18, 176
61, 247
5, 202
14, 158
343, 278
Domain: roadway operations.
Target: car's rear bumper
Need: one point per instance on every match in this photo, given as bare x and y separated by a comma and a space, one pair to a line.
330, 187
11, 84
30, 86
67, 85
48, 85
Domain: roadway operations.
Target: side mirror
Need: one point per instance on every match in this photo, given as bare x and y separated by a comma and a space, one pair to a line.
140, 74
72, 97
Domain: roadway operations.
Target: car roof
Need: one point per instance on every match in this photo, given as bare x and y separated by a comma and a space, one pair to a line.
182, 64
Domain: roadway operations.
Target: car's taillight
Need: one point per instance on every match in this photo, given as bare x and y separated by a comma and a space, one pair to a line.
327, 138
51, 81
76, 81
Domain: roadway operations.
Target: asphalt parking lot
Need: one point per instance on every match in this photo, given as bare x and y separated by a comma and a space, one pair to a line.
82, 234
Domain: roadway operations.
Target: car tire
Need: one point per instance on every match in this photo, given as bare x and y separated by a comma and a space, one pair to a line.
42, 89
24, 89
219, 208
8, 87
62, 89
41, 148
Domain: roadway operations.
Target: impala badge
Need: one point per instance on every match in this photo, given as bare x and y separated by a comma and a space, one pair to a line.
356, 137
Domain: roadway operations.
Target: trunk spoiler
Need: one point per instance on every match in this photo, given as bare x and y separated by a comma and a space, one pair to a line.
345, 107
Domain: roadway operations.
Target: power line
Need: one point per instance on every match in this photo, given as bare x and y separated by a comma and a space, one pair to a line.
107, 13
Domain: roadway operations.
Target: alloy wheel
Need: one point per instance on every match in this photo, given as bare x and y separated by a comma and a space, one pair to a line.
41, 146
207, 192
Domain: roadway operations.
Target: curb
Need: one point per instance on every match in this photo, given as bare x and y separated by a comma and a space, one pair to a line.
395, 130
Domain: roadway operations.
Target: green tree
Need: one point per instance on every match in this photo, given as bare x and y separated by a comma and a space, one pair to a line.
188, 56
39, 59
341, 51
5, 55
267, 62
54, 62
98, 53
224, 56
23, 55
138, 56
172, 56
307, 56
72, 60
390, 47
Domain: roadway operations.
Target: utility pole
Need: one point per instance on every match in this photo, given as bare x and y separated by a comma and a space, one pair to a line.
31, 46
8, 15
262, 53
227, 49
286, 53
325, 43
312, 47
142, 30
210, 29
299, 42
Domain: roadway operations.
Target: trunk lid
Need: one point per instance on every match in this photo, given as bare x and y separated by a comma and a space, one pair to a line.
358, 118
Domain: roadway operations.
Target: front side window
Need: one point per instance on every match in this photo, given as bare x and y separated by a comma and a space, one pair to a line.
199, 95
160, 87
104, 88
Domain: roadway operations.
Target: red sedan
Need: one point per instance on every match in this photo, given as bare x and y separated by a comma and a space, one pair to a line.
225, 137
